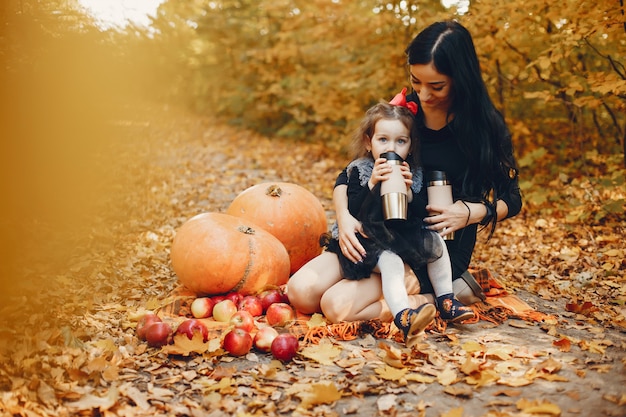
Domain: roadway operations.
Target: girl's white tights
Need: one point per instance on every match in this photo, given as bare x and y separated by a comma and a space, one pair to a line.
392, 274
440, 272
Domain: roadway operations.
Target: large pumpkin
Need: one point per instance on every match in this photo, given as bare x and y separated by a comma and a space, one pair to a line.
288, 211
215, 253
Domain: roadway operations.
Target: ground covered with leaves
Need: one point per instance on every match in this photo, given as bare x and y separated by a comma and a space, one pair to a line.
68, 343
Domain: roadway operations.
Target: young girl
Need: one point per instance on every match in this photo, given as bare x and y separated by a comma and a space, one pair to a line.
387, 127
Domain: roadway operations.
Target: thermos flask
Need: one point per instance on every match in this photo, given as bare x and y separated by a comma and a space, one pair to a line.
439, 193
393, 191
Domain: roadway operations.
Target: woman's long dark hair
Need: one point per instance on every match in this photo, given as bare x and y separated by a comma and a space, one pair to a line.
478, 126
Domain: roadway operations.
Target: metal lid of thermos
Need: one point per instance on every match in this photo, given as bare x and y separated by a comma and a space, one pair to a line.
437, 178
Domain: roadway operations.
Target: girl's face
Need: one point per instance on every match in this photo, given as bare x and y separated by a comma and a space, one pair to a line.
390, 135
434, 89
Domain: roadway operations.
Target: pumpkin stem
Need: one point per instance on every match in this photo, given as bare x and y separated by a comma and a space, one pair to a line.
246, 230
274, 190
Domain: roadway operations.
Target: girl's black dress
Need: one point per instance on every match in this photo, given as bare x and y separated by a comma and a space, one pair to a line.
406, 238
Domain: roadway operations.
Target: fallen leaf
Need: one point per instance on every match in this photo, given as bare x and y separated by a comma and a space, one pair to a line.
465, 392
390, 373
447, 377
563, 344
386, 403
324, 352
90, 401
538, 407
316, 320
185, 346
482, 378
321, 393
455, 412
469, 366
472, 347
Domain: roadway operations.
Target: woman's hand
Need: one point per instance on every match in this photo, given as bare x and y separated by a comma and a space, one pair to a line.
448, 219
348, 226
348, 242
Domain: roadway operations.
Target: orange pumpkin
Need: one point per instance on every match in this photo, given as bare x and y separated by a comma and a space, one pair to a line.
288, 211
216, 253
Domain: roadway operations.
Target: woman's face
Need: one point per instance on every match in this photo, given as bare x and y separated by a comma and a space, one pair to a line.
434, 89
390, 135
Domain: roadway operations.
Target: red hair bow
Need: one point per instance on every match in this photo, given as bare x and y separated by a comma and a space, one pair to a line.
400, 100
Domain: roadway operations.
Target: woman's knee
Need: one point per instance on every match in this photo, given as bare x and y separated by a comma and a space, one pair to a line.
302, 292
352, 300
306, 287
335, 307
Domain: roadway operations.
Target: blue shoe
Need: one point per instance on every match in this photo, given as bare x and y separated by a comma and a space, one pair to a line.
412, 322
452, 310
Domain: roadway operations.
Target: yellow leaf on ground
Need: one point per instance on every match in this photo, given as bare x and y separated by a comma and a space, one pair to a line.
185, 346
469, 366
324, 352
316, 320
447, 377
390, 373
472, 346
538, 407
319, 394
482, 378
515, 381
419, 378
455, 412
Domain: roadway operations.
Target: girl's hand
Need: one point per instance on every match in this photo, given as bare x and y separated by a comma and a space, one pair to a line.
380, 172
447, 219
407, 174
348, 242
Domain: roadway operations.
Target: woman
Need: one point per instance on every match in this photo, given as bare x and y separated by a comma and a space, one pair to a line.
459, 132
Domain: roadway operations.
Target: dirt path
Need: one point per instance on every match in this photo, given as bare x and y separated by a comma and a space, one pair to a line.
80, 355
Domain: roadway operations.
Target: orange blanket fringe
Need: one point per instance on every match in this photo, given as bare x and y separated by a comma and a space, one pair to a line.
498, 307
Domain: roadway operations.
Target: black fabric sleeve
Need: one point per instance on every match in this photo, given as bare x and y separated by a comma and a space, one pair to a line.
342, 178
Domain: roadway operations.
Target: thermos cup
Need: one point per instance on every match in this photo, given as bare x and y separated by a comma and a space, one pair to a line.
393, 191
439, 193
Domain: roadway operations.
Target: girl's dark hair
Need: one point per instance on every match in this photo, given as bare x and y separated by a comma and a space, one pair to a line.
478, 126
384, 111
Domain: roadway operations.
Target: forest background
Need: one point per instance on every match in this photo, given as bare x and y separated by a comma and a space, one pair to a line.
301, 71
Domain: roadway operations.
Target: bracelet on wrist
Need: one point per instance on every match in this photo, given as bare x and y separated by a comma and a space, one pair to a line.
490, 214
469, 213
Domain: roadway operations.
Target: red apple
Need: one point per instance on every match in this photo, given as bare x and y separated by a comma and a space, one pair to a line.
243, 320
224, 310
269, 297
234, 296
202, 307
285, 346
237, 342
158, 334
144, 322
252, 304
263, 338
280, 314
217, 298
191, 326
